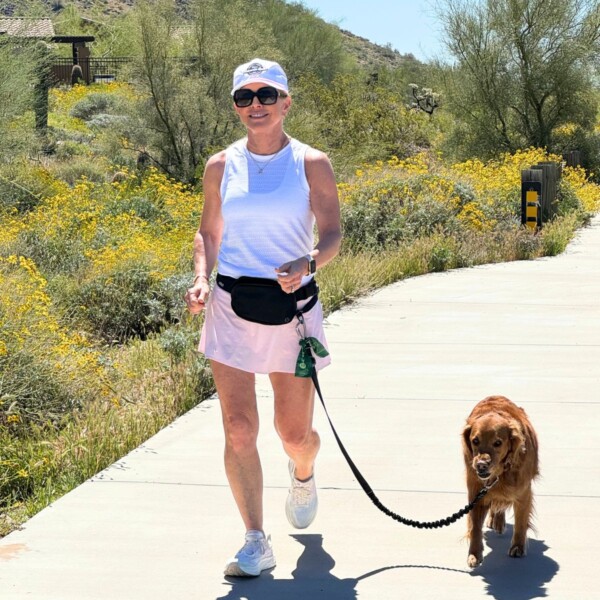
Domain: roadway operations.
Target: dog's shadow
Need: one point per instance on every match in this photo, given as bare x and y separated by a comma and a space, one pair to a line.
509, 578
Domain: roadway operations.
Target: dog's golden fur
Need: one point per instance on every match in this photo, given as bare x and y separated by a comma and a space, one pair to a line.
500, 443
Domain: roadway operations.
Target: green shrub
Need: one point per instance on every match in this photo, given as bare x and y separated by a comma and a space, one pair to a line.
93, 104
67, 149
81, 168
45, 371
368, 224
169, 296
527, 245
443, 253
31, 388
558, 233
179, 342
567, 200
428, 217
117, 306
127, 303
53, 255
144, 207
15, 195
105, 121
382, 215
23, 186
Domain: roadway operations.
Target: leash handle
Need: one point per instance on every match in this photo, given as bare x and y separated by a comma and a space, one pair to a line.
371, 494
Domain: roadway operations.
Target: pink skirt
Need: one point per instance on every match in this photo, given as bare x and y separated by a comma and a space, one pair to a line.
252, 347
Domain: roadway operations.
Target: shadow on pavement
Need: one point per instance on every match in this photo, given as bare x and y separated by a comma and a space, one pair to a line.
312, 578
509, 578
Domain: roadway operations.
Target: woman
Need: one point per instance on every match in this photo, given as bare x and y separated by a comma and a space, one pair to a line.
262, 198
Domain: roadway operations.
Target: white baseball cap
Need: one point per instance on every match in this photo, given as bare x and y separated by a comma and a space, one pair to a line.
261, 71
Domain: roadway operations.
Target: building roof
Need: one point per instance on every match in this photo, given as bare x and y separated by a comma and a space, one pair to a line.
23, 27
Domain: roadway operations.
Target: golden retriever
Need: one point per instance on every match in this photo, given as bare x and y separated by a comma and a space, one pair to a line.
500, 449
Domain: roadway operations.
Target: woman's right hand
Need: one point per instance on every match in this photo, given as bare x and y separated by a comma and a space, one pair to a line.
197, 296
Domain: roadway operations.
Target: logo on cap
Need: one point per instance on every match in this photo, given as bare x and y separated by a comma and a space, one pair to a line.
255, 69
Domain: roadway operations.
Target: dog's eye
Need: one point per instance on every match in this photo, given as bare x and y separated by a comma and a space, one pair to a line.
497, 443
475, 441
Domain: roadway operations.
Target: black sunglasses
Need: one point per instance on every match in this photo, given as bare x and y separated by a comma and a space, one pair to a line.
266, 95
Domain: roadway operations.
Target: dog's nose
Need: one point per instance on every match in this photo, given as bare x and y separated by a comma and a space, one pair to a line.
483, 465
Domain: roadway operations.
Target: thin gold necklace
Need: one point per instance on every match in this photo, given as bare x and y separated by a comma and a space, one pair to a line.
261, 166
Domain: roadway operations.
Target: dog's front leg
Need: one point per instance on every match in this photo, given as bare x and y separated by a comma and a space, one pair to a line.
522, 509
475, 521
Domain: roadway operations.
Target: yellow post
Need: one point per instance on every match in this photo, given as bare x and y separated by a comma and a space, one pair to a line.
531, 198
532, 208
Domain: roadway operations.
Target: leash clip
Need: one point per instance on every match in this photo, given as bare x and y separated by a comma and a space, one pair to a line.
300, 324
488, 486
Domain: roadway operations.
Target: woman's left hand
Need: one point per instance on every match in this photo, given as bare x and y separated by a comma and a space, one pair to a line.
289, 275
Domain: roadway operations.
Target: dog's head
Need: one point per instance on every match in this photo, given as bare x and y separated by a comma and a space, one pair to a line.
492, 444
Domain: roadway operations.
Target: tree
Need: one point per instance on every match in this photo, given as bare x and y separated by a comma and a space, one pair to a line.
184, 73
309, 45
18, 69
522, 68
355, 122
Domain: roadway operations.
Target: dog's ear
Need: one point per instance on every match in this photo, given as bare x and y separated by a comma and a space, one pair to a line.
517, 440
466, 438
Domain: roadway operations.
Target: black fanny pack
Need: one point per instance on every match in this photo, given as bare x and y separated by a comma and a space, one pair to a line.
263, 301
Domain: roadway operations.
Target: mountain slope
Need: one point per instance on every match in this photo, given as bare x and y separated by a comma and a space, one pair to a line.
367, 54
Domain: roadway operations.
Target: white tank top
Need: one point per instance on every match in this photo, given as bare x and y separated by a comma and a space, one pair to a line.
267, 217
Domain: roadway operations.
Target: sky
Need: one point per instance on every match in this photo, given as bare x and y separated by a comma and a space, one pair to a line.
409, 26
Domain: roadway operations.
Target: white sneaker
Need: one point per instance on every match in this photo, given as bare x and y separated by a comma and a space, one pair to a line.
253, 558
302, 502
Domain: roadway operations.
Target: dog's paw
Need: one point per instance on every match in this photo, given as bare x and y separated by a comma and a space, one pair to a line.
474, 561
517, 551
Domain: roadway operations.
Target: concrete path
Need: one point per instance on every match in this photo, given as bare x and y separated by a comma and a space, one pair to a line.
410, 362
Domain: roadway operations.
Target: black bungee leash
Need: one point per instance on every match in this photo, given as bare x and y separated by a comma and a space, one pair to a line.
307, 365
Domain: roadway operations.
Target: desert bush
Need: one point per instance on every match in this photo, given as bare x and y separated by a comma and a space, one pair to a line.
578, 181
105, 121
67, 149
567, 199
94, 104
527, 245
23, 186
53, 254
180, 341
169, 296
443, 254
356, 123
559, 232
145, 207
46, 371
119, 305
373, 218
127, 302
81, 168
